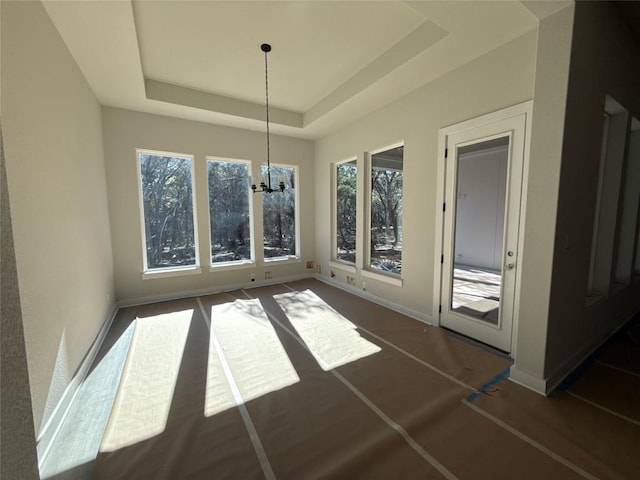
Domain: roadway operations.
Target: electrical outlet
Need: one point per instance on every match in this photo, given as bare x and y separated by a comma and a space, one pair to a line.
267, 275
333, 274
319, 269
310, 264
253, 277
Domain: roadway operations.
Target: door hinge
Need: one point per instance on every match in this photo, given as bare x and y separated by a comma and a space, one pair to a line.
440, 309
446, 153
444, 207
441, 258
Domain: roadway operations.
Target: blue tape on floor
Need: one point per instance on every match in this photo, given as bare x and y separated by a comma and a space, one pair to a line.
497, 379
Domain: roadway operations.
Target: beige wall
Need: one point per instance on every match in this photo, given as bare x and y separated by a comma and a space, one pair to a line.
124, 131
499, 79
55, 170
604, 60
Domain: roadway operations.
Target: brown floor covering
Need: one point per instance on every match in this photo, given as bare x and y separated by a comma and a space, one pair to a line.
592, 419
399, 413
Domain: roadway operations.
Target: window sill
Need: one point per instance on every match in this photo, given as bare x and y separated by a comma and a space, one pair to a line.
342, 266
391, 280
593, 298
238, 265
170, 272
282, 260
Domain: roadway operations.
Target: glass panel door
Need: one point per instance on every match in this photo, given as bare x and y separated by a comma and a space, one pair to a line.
479, 229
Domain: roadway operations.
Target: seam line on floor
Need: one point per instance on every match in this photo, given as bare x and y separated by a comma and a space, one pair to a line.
608, 365
395, 426
244, 413
538, 446
604, 409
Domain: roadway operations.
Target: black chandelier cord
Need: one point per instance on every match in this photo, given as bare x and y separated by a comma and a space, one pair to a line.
266, 188
266, 48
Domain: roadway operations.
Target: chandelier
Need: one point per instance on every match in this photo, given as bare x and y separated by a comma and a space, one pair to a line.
266, 187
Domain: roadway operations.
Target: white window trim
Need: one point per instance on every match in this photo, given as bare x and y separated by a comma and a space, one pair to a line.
177, 270
390, 278
334, 214
367, 270
171, 272
284, 259
298, 256
342, 265
219, 266
233, 265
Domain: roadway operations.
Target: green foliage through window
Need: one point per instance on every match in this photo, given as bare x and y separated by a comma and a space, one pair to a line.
167, 202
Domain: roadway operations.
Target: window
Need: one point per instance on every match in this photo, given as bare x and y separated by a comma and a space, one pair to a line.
279, 215
345, 219
604, 248
166, 188
229, 211
386, 211
628, 208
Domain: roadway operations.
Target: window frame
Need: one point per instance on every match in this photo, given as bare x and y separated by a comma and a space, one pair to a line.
233, 264
334, 214
147, 272
367, 269
297, 258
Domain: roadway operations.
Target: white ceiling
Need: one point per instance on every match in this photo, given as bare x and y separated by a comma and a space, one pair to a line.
332, 61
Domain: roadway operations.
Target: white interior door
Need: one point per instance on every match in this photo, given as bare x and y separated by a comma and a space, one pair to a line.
483, 187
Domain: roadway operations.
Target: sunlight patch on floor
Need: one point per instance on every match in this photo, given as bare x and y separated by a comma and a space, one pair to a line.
142, 404
78, 441
331, 338
253, 354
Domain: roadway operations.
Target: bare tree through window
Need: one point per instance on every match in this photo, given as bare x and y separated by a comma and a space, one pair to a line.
167, 202
346, 175
229, 212
279, 214
386, 210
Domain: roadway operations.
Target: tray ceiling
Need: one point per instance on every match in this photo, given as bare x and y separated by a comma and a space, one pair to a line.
331, 62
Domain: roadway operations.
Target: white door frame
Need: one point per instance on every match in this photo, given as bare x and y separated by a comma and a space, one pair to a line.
524, 108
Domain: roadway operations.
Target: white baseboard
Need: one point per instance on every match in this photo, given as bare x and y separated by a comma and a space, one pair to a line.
132, 302
48, 433
545, 386
524, 379
422, 317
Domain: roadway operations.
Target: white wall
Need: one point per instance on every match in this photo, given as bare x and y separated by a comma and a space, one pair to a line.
496, 80
55, 169
124, 131
480, 208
